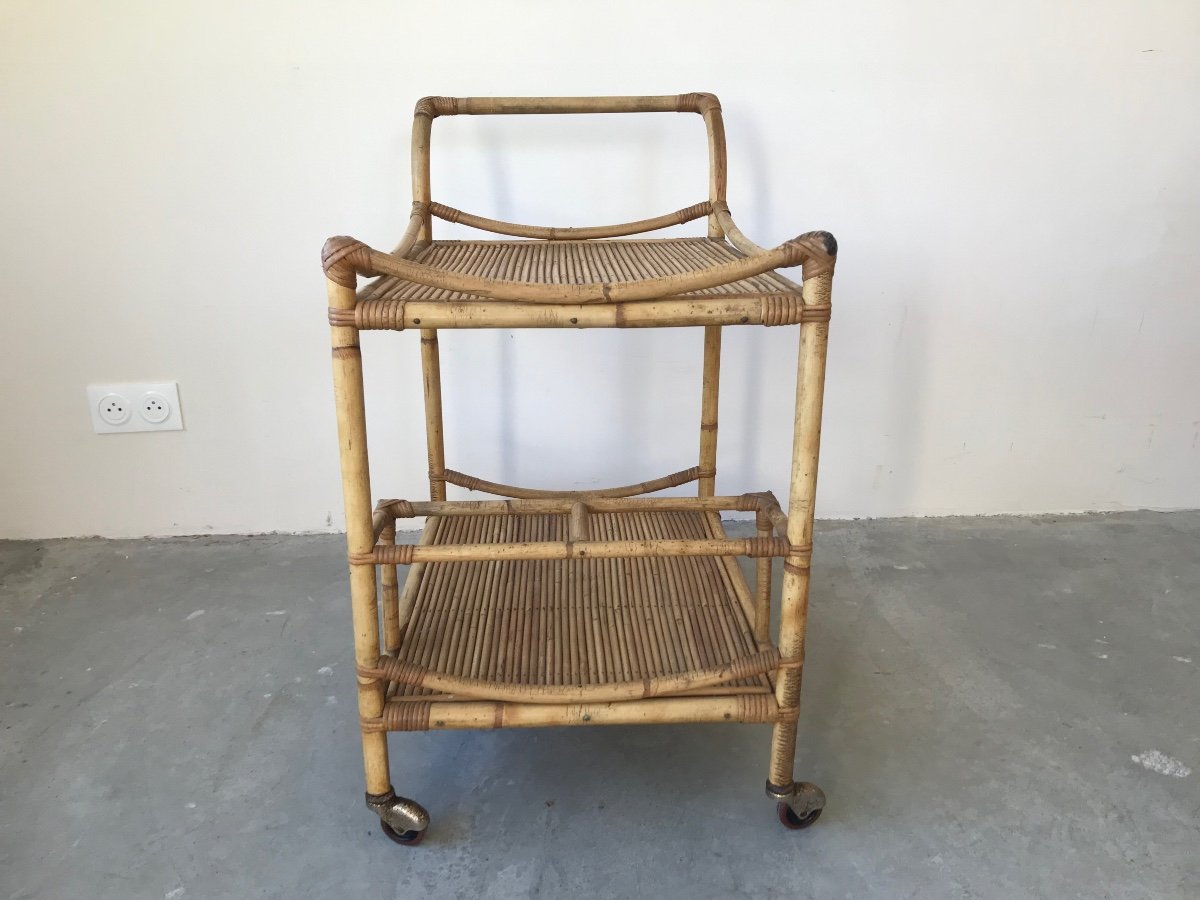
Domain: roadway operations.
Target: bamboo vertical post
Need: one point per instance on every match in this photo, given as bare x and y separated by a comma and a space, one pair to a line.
421, 134
389, 589
708, 410
806, 439
431, 378
718, 166
431, 372
360, 535
762, 589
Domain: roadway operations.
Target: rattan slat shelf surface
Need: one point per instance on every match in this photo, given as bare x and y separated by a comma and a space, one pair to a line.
546, 607
577, 622
575, 262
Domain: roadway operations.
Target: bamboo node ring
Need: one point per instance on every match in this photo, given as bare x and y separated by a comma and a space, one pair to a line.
406, 716
380, 315
445, 213
769, 546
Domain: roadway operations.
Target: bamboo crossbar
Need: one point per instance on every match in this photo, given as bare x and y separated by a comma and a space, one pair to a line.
493, 106
387, 511
678, 217
472, 483
405, 509
392, 669
398, 315
400, 715
404, 554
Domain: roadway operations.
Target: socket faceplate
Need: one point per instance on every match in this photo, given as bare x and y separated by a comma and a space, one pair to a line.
135, 406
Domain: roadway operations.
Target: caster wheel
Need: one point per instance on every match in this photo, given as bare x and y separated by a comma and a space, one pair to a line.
407, 838
792, 821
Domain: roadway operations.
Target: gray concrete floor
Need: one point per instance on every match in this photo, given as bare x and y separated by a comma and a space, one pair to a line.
177, 721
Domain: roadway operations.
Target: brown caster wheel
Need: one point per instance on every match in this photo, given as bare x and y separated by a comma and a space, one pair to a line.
407, 838
791, 820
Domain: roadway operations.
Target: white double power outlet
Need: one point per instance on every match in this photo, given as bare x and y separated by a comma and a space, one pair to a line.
135, 407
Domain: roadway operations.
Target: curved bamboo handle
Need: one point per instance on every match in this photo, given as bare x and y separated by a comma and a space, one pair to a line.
344, 258
473, 483
552, 233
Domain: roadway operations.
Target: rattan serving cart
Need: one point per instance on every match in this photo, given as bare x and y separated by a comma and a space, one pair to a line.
596, 607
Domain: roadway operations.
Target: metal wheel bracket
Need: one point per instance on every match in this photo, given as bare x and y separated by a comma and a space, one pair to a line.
803, 798
398, 813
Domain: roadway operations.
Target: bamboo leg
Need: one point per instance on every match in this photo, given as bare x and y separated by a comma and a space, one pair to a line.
810, 384
356, 488
431, 371
708, 410
389, 589
762, 593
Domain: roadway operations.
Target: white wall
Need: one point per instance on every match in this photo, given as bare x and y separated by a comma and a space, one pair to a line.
1016, 188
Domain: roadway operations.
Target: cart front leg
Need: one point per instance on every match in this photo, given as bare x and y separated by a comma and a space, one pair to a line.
800, 803
402, 819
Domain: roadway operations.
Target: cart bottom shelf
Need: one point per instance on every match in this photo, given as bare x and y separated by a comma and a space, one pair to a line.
577, 622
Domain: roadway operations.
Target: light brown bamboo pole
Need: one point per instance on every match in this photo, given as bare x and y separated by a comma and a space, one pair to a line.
739, 240
708, 410
733, 571
416, 222
612, 692
718, 167
403, 554
490, 106
416, 572
667, 312
562, 504
552, 233
484, 714
810, 386
472, 483
380, 519
370, 262
356, 489
732, 233
579, 525
389, 591
431, 377
421, 135
762, 592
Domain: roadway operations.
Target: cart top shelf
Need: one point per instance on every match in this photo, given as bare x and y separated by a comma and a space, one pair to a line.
558, 262
575, 277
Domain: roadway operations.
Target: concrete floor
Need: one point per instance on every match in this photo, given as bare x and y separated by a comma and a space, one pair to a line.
177, 721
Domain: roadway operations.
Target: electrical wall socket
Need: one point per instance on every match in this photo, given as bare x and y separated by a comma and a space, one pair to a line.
149, 406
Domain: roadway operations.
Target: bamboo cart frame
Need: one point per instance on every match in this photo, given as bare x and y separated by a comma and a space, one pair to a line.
576, 278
